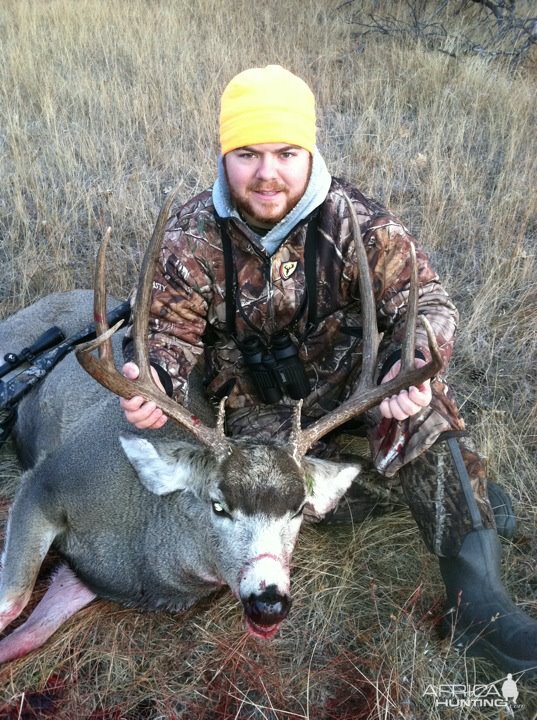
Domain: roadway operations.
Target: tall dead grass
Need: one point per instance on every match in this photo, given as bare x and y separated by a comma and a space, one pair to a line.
103, 107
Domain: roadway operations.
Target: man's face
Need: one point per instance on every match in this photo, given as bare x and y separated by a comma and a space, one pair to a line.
266, 181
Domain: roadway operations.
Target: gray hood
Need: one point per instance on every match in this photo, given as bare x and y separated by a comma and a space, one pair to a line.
316, 192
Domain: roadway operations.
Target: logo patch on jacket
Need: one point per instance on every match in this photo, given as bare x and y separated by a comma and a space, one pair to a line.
287, 269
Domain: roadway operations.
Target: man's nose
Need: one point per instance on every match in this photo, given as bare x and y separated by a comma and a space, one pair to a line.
266, 170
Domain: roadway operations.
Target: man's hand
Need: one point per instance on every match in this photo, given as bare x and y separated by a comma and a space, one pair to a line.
140, 412
407, 402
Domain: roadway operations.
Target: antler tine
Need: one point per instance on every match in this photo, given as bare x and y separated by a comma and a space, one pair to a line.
99, 301
103, 368
408, 350
103, 340
368, 393
142, 302
371, 337
103, 332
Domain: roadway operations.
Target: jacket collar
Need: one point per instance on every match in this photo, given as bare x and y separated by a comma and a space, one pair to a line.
315, 195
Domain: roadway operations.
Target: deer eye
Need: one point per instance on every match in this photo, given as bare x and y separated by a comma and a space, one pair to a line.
297, 513
218, 509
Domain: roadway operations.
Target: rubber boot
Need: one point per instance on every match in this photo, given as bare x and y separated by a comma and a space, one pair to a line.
502, 507
446, 491
482, 617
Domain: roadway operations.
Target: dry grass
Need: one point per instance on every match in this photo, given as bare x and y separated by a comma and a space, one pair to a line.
104, 106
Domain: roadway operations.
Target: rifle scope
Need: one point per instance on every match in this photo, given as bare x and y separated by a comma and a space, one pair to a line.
47, 340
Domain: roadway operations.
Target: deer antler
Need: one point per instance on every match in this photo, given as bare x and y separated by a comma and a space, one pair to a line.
103, 368
368, 393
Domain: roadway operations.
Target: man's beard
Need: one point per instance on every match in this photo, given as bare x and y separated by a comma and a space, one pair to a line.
268, 217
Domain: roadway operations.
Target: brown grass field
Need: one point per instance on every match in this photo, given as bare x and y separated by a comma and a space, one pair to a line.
106, 105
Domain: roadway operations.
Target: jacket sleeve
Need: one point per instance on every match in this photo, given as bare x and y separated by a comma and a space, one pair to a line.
388, 246
178, 313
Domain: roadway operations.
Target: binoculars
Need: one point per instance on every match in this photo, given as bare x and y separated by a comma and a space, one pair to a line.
275, 369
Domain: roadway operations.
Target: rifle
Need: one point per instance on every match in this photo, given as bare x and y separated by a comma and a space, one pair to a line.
11, 391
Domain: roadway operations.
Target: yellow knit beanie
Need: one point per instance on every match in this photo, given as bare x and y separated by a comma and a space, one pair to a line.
267, 105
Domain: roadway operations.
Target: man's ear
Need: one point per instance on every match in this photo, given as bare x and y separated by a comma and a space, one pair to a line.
160, 472
326, 483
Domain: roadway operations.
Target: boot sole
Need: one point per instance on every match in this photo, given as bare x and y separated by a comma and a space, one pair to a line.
475, 645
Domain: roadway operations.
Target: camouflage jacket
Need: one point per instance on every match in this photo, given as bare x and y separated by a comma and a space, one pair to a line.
188, 314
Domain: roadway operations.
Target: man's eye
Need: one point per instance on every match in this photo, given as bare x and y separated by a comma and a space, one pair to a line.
218, 509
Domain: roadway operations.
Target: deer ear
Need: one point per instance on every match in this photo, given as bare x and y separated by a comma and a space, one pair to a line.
327, 482
159, 473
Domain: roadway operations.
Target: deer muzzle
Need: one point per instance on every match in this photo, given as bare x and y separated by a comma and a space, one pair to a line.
265, 596
266, 612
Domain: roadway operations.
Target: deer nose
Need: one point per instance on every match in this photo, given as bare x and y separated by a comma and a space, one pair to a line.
268, 608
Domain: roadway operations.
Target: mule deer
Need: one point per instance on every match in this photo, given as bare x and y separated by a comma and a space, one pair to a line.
159, 519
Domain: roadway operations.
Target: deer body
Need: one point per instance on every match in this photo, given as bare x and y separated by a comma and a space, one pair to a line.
133, 513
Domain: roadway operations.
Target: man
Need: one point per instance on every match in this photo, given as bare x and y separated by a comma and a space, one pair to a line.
235, 285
